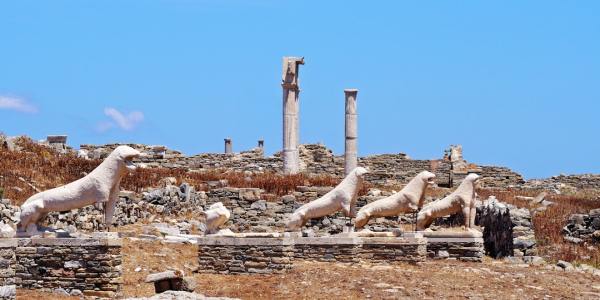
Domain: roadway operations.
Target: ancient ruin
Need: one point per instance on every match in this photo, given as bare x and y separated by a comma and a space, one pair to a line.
216, 216
341, 198
409, 199
249, 213
228, 146
291, 107
101, 186
462, 200
351, 151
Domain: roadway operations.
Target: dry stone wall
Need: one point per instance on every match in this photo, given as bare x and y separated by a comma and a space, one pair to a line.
90, 267
276, 255
584, 181
464, 249
8, 261
259, 256
386, 169
583, 228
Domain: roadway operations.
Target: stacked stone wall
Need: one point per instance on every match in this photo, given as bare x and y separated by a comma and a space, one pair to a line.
316, 159
227, 255
464, 249
248, 256
90, 267
584, 181
365, 250
8, 261
583, 228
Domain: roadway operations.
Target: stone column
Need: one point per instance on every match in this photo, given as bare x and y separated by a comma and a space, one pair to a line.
291, 128
350, 154
228, 148
261, 147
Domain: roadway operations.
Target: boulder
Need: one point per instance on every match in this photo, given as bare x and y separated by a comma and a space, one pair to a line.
8, 292
6, 231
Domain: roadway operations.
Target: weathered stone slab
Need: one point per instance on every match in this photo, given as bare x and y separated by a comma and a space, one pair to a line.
466, 246
72, 242
8, 243
453, 234
275, 255
164, 276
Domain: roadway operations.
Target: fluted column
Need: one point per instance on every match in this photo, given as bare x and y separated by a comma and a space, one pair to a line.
291, 107
350, 153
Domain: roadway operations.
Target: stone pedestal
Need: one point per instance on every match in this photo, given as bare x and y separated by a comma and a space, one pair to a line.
461, 245
351, 154
91, 266
291, 107
257, 255
166, 281
8, 261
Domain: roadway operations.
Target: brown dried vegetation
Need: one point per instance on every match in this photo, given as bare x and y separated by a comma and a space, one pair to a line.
327, 280
37, 166
549, 223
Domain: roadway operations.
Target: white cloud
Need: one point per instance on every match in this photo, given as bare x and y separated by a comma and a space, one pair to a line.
17, 104
104, 126
126, 122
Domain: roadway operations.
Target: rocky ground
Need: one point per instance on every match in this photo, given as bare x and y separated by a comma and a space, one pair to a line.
430, 280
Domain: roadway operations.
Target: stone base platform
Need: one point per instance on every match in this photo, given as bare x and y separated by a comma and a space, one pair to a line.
79, 266
226, 254
461, 245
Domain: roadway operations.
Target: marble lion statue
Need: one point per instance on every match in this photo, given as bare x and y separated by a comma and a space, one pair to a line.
342, 197
409, 199
216, 215
99, 186
461, 200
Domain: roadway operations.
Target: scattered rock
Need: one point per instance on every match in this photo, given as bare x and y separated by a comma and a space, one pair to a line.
565, 265
443, 254
6, 231
180, 295
8, 292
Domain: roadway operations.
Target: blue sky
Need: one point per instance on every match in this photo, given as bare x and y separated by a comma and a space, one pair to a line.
517, 83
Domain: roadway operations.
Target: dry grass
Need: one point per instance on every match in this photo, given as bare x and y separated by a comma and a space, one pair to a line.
316, 280
43, 168
549, 223
153, 257
37, 166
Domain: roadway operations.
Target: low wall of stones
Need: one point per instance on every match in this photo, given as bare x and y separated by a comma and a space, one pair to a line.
8, 261
244, 255
386, 169
250, 212
227, 255
583, 181
90, 267
365, 249
583, 228
460, 248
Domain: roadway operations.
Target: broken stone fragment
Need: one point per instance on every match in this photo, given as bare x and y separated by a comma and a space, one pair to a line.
171, 274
